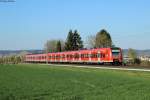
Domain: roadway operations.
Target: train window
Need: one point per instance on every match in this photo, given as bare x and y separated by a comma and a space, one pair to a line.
115, 53
63, 56
94, 55
89, 55
86, 55
71, 56
57, 57
76, 56
82, 55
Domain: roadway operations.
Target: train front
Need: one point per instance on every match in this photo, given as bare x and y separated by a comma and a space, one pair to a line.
117, 56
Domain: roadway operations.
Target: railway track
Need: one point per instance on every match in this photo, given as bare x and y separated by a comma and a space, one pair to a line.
127, 68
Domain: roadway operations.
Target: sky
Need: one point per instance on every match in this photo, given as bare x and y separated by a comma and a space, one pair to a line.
28, 24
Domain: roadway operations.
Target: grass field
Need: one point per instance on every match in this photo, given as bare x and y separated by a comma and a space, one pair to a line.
45, 82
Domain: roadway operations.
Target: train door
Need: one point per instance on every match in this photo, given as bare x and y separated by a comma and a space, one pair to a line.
94, 54
76, 56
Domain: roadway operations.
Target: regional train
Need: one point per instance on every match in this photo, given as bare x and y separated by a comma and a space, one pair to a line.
90, 56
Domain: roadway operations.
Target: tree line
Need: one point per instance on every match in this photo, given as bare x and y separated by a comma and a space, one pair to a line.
13, 59
75, 42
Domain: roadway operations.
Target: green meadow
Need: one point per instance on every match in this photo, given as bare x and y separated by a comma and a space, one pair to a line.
47, 82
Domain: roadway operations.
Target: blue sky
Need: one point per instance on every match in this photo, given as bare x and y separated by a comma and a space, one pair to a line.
27, 24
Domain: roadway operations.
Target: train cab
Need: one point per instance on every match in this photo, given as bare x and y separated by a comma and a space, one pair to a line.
117, 55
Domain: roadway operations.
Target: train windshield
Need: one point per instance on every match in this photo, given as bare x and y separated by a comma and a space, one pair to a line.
115, 52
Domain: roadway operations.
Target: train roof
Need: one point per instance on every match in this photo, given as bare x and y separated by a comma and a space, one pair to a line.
81, 50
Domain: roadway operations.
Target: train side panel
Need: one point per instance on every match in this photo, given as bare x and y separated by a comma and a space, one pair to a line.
100, 55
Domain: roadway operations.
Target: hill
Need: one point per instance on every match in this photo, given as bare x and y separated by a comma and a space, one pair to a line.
139, 52
14, 52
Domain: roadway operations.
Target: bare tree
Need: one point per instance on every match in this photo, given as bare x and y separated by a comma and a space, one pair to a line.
50, 46
90, 41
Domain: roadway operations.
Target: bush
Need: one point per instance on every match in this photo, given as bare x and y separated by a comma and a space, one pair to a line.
145, 63
11, 60
137, 61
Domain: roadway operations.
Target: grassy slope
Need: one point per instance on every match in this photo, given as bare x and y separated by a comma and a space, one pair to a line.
41, 82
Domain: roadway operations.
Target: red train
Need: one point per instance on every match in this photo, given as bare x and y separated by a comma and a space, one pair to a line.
99, 56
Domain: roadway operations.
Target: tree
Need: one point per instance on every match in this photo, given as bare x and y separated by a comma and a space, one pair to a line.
132, 55
62, 45
12, 59
103, 39
58, 46
69, 41
17, 59
54, 46
90, 41
1, 60
73, 41
50, 46
22, 56
77, 42
137, 61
